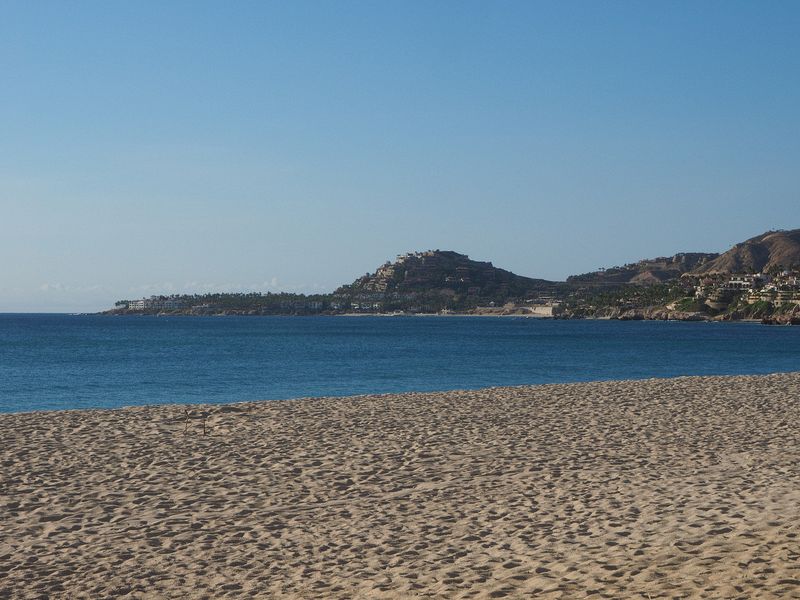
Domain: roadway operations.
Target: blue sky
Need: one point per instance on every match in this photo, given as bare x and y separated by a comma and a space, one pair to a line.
188, 146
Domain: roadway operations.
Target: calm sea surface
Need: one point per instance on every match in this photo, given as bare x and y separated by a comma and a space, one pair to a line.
64, 362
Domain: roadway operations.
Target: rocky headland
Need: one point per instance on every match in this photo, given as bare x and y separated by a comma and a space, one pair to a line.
758, 279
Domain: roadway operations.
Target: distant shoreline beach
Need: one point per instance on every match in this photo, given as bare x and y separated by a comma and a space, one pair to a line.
481, 314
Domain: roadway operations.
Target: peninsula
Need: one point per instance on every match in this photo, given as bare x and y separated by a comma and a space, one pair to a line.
756, 279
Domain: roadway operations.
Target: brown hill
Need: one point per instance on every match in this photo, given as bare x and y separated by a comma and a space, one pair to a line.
441, 272
768, 251
646, 272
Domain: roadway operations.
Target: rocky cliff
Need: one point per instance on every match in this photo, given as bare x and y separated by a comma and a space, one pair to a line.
646, 272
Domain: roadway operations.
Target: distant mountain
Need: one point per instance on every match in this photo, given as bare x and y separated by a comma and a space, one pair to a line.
441, 272
646, 272
770, 250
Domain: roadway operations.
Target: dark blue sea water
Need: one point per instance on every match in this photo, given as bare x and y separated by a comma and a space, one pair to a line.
65, 362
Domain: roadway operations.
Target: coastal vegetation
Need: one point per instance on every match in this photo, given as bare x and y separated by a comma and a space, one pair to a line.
756, 279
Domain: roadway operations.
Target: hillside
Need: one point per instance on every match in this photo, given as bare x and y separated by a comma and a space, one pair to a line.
441, 272
768, 251
646, 272
441, 281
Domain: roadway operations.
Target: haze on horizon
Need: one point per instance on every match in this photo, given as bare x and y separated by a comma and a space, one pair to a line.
187, 147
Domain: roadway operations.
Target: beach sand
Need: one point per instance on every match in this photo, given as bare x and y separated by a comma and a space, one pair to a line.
673, 488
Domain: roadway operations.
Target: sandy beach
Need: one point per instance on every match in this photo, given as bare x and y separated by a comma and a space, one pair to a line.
674, 488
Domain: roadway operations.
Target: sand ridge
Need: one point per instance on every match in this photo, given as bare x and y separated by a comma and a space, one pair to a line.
673, 488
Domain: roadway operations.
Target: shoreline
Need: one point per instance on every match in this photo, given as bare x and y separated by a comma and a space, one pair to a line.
704, 319
219, 406
684, 486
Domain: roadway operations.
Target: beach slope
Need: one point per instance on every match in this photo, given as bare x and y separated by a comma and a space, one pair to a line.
675, 488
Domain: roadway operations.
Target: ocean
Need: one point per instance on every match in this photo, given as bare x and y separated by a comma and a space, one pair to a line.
53, 362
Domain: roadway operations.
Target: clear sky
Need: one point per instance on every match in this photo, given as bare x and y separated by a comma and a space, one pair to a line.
163, 147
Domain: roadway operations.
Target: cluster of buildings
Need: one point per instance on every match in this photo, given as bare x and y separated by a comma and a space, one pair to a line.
387, 272
152, 303
780, 289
